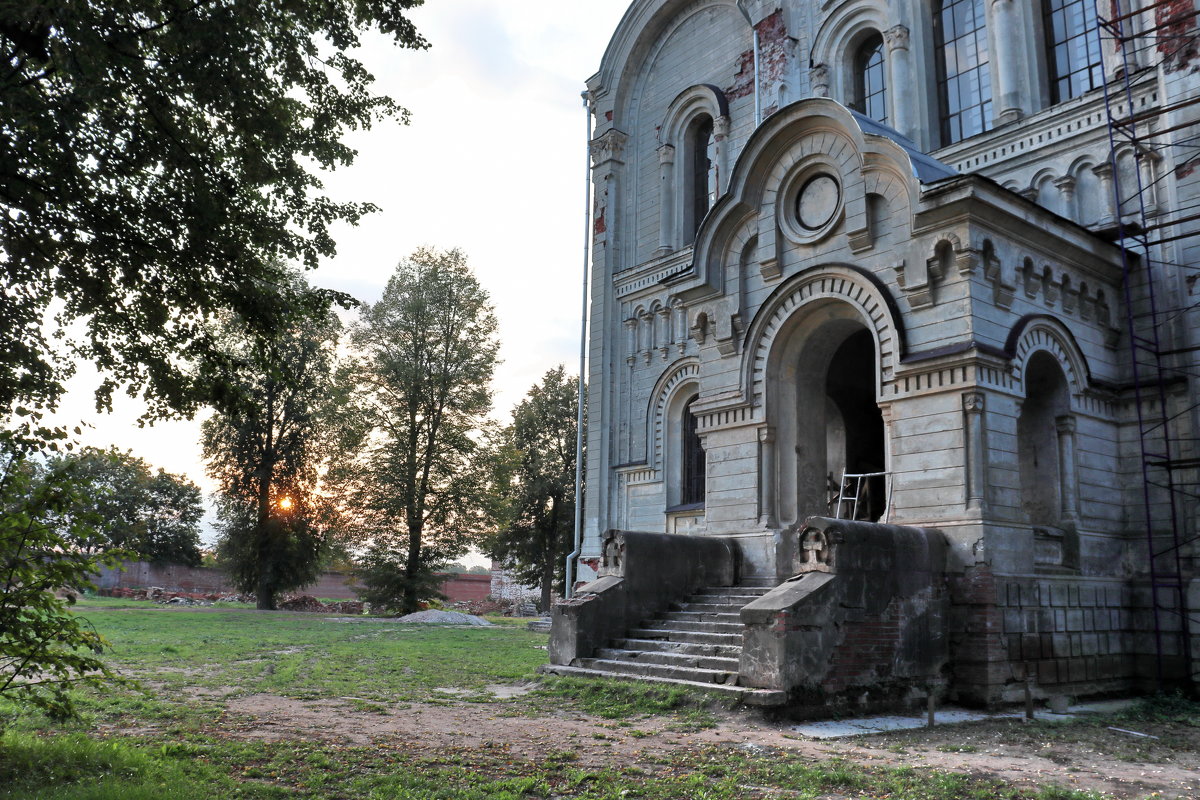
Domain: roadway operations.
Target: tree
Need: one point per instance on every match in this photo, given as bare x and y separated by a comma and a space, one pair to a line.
537, 484
151, 515
157, 170
415, 477
44, 648
266, 449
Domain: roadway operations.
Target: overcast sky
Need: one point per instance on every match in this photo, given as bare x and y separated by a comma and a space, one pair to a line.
493, 163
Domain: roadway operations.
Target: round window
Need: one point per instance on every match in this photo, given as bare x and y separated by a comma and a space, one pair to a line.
817, 201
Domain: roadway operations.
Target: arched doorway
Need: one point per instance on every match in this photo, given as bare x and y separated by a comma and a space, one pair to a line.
822, 396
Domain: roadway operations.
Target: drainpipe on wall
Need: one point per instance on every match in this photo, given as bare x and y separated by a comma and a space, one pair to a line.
741, 5
569, 588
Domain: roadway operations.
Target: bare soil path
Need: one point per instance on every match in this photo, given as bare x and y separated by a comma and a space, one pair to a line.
1080, 757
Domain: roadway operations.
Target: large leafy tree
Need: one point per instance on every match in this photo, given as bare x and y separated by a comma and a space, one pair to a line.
415, 479
152, 515
157, 168
267, 448
536, 486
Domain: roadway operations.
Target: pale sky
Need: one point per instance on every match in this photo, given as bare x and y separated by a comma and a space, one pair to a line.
493, 162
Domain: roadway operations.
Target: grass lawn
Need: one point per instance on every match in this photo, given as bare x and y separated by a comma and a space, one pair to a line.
235, 703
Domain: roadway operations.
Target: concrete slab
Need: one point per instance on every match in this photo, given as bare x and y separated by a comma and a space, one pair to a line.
842, 728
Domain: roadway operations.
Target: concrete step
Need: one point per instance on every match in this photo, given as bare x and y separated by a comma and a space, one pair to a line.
686, 648
703, 616
695, 637
708, 608
668, 671
721, 663
694, 625
765, 698
733, 591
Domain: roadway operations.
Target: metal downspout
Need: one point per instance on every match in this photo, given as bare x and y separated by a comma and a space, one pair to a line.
569, 588
757, 97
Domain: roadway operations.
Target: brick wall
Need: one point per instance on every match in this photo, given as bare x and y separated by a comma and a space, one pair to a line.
206, 580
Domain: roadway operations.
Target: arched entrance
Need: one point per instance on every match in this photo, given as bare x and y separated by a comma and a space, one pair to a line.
822, 397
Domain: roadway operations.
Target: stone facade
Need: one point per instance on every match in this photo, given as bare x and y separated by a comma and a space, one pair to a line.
804, 291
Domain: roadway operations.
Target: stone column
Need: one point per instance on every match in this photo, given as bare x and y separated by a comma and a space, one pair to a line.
666, 335
646, 329
680, 327
1066, 189
1146, 166
1068, 494
766, 487
666, 201
631, 332
973, 408
721, 143
1006, 61
1108, 203
904, 102
818, 76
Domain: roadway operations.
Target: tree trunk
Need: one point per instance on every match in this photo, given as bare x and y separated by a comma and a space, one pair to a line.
412, 567
549, 555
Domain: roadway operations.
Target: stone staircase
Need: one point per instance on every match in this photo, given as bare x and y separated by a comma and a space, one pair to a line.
697, 643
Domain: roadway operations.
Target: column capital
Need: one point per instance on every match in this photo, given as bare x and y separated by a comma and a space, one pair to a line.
1065, 423
819, 76
1065, 184
1103, 170
720, 127
666, 154
896, 37
974, 402
608, 146
631, 323
766, 434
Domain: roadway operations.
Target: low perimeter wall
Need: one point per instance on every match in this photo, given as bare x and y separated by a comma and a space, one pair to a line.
206, 580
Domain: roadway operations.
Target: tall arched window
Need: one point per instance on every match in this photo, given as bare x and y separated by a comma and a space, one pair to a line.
692, 460
701, 177
870, 85
963, 71
1073, 48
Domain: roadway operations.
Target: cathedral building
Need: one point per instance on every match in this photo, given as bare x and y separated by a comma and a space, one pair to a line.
893, 351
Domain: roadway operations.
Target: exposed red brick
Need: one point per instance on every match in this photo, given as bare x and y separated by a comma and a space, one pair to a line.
1176, 23
601, 227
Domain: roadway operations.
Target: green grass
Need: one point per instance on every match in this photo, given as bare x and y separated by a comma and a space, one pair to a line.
308, 655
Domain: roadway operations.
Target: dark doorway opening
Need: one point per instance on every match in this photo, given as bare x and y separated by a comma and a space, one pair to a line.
850, 387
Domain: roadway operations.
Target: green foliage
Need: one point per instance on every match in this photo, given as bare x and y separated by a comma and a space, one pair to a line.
414, 476
44, 648
386, 581
152, 515
266, 446
536, 484
157, 170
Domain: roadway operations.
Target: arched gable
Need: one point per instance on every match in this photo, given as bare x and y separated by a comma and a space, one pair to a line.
845, 284
1039, 332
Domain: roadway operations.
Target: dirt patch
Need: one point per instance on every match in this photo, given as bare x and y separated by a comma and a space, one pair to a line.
1079, 758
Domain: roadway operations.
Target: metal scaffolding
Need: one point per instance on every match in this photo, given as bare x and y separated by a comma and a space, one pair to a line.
1150, 44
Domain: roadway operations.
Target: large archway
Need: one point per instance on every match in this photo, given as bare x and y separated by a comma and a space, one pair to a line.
823, 400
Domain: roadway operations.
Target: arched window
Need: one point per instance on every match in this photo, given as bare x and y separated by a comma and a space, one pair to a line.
701, 178
692, 460
1073, 49
963, 71
870, 85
